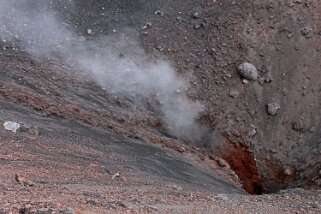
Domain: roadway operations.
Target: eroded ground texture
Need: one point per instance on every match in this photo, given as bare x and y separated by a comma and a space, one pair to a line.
92, 143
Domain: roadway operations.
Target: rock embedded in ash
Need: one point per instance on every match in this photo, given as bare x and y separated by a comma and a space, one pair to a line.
234, 93
307, 32
196, 15
20, 179
298, 126
247, 71
288, 171
11, 126
222, 197
70, 211
252, 132
222, 163
273, 108
245, 81
45, 211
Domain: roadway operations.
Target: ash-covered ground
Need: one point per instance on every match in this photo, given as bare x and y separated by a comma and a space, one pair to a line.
142, 106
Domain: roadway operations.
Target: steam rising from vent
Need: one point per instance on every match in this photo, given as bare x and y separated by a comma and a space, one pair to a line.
115, 62
32, 24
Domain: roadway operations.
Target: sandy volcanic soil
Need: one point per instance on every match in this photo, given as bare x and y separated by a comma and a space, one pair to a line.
82, 149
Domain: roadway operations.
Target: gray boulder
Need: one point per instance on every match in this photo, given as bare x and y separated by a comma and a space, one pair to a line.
273, 108
247, 71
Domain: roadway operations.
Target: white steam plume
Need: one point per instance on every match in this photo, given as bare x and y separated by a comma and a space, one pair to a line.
115, 63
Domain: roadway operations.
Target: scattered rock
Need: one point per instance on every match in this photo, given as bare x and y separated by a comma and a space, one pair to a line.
115, 176
92, 201
29, 129
307, 32
119, 176
297, 125
152, 207
252, 132
267, 80
21, 211
177, 188
273, 108
196, 15
234, 93
261, 81
22, 180
273, 151
11, 126
120, 204
247, 71
160, 201
312, 129
147, 25
44, 211
158, 12
222, 163
70, 211
245, 81
196, 26
222, 197
288, 172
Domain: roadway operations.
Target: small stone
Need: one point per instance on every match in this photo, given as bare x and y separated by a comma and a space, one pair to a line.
252, 133
196, 15
197, 26
148, 25
261, 81
158, 12
159, 47
160, 201
92, 201
273, 108
222, 197
21, 210
69, 211
245, 81
273, 151
268, 80
11, 126
174, 187
312, 129
28, 128
247, 71
115, 176
234, 93
20, 179
222, 163
44, 211
307, 32
152, 207
298, 125
288, 172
